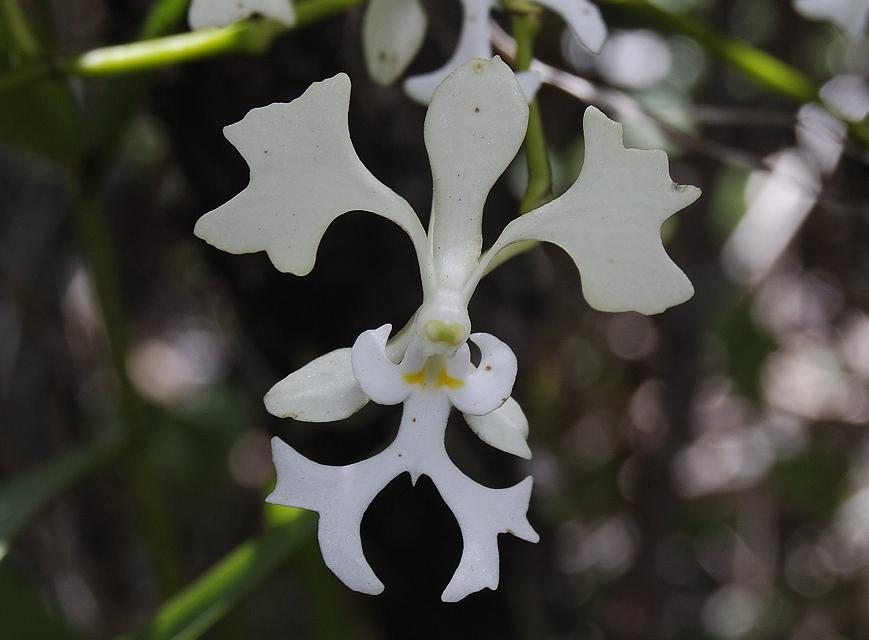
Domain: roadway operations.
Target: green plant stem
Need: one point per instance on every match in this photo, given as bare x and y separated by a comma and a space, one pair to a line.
247, 36
525, 25
760, 66
18, 30
252, 36
152, 511
756, 64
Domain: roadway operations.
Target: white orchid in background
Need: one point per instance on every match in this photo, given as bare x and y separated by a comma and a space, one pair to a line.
305, 173
393, 31
217, 13
851, 16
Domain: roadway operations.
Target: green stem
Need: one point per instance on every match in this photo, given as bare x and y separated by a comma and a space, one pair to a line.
760, 66
247, 36
18, 30
525, 25
756, 64
152, 512
253, 36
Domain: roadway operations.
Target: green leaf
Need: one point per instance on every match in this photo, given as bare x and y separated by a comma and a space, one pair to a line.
747, 344
200, 606
25, 615
163, 17
24, 496
40, 117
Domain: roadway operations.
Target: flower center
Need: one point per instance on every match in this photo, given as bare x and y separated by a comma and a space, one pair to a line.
443, 323
451, 333
433, 372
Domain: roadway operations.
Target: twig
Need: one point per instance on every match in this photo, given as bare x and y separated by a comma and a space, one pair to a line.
252, 36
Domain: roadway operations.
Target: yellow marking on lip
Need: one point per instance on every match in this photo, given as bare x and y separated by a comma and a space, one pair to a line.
445, 379
415, 378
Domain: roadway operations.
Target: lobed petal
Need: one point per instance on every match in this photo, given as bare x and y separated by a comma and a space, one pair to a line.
506, 428
609, 222
219, 13
474, 127
584, 20
392, 33
304, 173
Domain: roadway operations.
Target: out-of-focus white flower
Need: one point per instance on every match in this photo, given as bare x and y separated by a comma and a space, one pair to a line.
305, 173
393, 31
849, 15
218, 13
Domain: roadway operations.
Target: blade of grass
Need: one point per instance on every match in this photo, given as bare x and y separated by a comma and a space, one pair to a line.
200, 606
27, 494
25, 613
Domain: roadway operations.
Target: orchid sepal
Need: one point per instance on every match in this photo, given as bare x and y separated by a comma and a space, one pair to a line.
219, 13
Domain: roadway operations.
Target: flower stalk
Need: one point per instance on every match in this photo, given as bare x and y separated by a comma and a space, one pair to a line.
526, 25
252, 36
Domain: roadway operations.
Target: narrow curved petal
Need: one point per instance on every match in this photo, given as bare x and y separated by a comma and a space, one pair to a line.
473, 130
609, 222
488, 386
851, 16
506, 428
304, 173
584, 20
474, 42
380, 378
392, 32
219, 13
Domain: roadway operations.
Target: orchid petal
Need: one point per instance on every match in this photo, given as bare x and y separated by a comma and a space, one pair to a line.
474, 128
219, 13
851, 16
506, 428
304, 173
583, 18
392, 32
609, 222
341, 496
474, 42
381, 379
489, 385
482, 514
325, 389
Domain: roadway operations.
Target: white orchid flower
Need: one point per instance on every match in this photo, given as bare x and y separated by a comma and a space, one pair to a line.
851, 16
305, 173
393, 31
218, 13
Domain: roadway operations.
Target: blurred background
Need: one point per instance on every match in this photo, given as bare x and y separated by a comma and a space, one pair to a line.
699, 474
